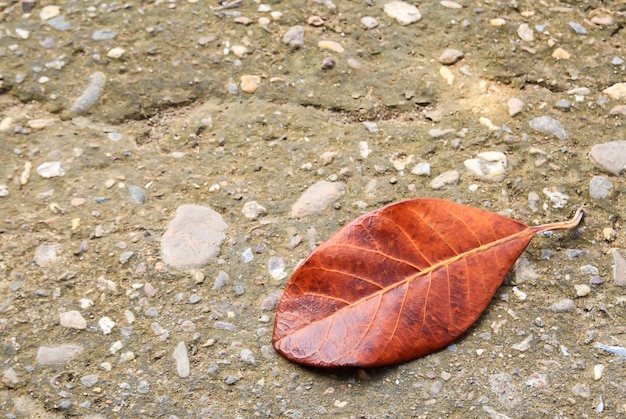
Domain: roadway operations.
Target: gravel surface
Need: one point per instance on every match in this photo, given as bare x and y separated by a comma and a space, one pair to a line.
168, 164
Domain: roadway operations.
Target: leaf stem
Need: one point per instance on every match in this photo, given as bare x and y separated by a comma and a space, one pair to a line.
562, 225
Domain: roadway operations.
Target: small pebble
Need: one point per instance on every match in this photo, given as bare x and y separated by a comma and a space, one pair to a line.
616, 91
564, 105
181, 358
328, 63
450, 56
220, 280
371, 127
525, 33
57, 354
561, 54
317, 198
578, 28
490, 166
106, 325
276, 266
515, 105
294, 37
598, 369
247, 255
331, 45
619, 269
402, 12
421, 169
50, 169
369, 22
445, 179
72, 319
600, 187
610, 157
253, 210
609, 234
91, 95
137, 194
548, 125
250, 83
582, 290
562, 306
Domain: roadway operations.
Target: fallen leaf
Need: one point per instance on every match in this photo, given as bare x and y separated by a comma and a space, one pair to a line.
398, 283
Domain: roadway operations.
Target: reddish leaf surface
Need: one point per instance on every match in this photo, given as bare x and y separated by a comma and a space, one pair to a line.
398, 283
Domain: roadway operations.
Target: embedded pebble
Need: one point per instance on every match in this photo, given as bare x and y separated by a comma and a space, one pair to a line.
589, 270
609, 234
247, 356
578, 28
600, 187
271, 301
317, 198
48, 12
106, 325
328, 63
253, 210
369, 22
50, 169
450, 56
450, 4
616, 92
610, 157
563, 305
582, 290
220, 280
91, 95
277, 266
490, 165
515, 106
575, 253
137, 194
402, 12
445, 179
247, 255
421, 169
598, 369
89, 380
294, 37
558, 199
193, 238
581, 390
548, 125
46, 253
497, 22
370, 126
364, 149
181, 358
564, 105
250, 83
331, 45
447, 75
55, 355
524, 271
525, 33
103, 34
73, 320
619, 269
561, 54
125, 257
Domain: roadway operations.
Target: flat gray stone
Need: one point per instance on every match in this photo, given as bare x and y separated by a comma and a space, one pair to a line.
548, 125
600, 187
193, 237
610, 157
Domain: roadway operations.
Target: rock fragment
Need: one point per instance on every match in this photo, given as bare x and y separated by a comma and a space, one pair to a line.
55, 355
91, 95
548, 125
294, 37
402, 12
317, 198
193, 238
610, 157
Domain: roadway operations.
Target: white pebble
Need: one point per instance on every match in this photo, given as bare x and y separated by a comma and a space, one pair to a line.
421, 169
116, 52
402, 12
106, 325
489, 165
597, 371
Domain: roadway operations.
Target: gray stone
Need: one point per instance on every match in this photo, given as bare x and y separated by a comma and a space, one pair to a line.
294, 37
137, 194
563, 305
548, 125
103, 34
450, 56
600, 187
91, 95
578, 28
610, 157
220, 281
193, 237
